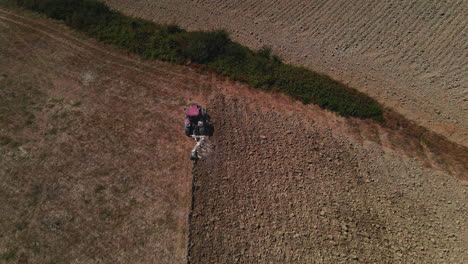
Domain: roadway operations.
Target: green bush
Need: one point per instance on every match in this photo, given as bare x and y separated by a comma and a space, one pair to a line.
214, 49
202, 47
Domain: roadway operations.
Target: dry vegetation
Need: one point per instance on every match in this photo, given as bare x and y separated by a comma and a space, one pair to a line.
92, 165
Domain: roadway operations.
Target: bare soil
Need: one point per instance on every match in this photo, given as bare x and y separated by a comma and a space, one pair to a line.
409, 55
284, 183
94, 168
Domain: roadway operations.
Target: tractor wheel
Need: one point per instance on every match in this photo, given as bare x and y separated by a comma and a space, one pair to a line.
188, 131
194, 156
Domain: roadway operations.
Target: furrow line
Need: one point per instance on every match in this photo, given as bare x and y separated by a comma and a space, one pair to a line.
370, 32
433, 33
312, 7
423, 38
349, 36
322, 17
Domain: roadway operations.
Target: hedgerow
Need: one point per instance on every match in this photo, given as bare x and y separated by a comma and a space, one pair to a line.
214, 49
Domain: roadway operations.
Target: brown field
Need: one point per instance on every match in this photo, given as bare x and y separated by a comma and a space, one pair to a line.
94, 168
410, 55
287, 183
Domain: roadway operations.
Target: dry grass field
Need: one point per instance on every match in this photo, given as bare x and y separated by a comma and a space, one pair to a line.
93, 168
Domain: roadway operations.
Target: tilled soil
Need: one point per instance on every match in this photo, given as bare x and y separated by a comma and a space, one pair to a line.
410, 55
276, 186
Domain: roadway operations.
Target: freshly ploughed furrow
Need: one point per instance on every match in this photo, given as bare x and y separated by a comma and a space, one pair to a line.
279, 187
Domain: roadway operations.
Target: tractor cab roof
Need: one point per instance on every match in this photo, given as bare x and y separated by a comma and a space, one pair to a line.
194, 110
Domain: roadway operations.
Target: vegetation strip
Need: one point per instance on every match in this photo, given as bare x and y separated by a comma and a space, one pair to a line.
213, 49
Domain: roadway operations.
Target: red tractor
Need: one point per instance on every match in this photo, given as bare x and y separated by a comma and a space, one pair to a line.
196, 121
198, 127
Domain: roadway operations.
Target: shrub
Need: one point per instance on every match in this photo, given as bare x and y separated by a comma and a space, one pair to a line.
202, 47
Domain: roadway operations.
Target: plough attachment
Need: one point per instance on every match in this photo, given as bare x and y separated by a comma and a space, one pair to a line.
195, 151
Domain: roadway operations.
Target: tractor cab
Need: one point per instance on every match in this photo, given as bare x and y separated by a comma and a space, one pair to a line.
195, 121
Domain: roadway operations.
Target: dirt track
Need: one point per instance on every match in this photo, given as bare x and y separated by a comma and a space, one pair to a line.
410, 55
